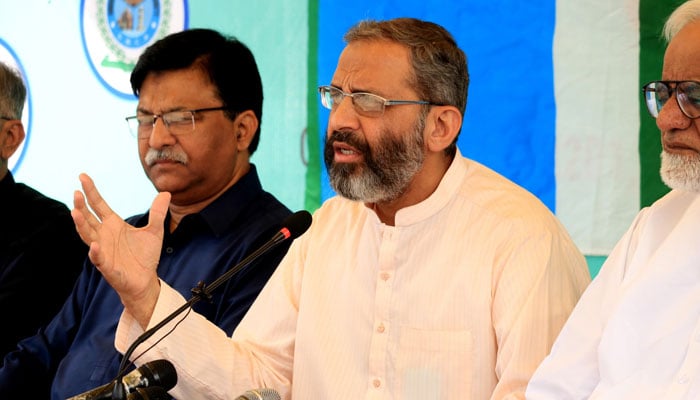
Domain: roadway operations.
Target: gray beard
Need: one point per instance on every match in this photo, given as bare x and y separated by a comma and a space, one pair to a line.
681, 172
387, 169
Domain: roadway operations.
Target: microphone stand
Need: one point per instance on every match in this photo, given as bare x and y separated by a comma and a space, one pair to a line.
201, 291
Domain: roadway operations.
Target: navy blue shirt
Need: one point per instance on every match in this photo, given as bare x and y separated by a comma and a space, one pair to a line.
75, 353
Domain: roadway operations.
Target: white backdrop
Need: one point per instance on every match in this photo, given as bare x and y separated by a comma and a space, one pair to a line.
76, 123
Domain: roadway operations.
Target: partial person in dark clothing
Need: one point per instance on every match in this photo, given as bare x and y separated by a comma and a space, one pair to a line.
40, 250
197, 124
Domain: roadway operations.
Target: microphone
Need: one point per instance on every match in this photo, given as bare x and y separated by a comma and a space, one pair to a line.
157, 373
260, 394
292, 227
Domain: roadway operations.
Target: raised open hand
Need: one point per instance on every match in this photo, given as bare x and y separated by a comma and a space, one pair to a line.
126, 256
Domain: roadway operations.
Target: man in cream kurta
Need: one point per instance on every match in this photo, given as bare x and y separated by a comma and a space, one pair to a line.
362, 310
428, 276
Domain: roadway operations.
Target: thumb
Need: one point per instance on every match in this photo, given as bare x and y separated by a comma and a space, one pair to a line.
159, 209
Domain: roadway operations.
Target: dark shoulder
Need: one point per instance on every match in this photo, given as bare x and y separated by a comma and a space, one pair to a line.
31, 200
33, 219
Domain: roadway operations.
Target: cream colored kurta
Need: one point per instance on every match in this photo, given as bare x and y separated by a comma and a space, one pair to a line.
461, 299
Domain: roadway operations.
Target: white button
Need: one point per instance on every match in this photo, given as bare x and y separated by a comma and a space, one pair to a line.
377, 383
385, 276
380, 328
683, 379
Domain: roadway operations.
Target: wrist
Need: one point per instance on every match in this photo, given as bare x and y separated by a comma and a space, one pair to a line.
142, 307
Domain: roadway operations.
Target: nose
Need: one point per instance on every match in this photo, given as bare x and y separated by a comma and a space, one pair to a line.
160, 135
671, 117
343, 116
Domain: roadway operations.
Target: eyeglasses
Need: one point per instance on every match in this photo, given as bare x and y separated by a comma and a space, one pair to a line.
367, 104
177, 122
657, 93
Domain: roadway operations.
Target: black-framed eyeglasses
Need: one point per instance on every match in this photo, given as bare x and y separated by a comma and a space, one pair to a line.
657, 93
367, 104
177, 122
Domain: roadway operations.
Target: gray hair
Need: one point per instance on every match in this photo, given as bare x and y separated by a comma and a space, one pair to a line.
680, 17
440, 73
12, 92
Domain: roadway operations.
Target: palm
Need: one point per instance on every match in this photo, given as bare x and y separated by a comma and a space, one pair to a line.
134, 251
126, 256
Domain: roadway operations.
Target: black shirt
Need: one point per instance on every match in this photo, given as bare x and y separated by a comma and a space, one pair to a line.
41, 256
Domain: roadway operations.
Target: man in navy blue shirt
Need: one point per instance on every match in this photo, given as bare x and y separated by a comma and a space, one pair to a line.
197, 124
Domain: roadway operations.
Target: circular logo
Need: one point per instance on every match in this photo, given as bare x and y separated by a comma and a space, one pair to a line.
9, 57
115, 33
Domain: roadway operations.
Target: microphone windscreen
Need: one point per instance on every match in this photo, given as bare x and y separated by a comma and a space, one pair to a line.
159, 373
297, 223
260, 394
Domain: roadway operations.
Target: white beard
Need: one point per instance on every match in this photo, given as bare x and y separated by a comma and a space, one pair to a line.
681, 172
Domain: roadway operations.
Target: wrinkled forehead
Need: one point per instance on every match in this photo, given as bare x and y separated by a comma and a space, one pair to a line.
378, 66
682, 57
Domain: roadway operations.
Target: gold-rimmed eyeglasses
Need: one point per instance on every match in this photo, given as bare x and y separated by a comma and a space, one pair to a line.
177, 122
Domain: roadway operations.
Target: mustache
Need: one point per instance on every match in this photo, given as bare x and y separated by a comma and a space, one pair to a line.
350, 138
166, 154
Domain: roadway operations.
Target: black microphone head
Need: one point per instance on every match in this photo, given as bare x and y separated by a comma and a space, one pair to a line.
297, 223
159, 373
149, 393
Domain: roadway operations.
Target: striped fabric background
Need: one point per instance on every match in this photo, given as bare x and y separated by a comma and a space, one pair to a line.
554, 103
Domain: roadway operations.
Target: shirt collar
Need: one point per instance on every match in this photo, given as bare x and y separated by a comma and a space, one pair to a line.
221, 213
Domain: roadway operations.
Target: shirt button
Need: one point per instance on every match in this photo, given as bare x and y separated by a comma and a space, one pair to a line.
385, 276
380, 328
683, 379
169, 250
377, 383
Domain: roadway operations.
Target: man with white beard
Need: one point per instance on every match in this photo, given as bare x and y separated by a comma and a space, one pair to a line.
635, 333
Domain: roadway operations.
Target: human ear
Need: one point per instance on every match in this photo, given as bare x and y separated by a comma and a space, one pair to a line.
444, 126
11, 136
245, 125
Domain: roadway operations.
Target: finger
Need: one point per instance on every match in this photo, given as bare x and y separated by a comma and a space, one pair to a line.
81, 206
159, 209
81, 226
96, 257
94, 199
82, 217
